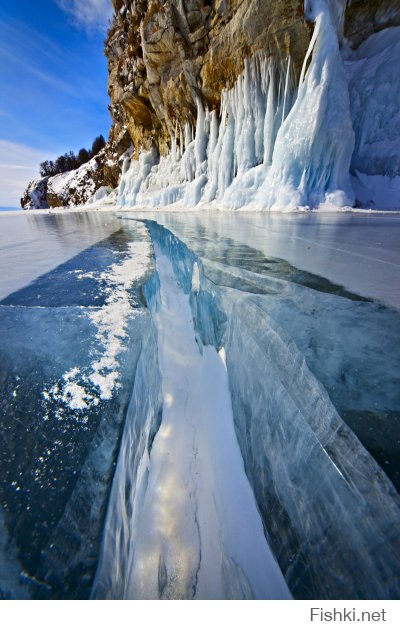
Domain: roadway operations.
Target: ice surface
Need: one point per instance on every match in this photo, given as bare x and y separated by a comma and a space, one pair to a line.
360, 252
330, 501
193, 529
327, 492
130, 479
31, 245
290, 383
66, 376
10, 569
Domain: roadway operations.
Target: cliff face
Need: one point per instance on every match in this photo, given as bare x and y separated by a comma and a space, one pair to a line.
165, 54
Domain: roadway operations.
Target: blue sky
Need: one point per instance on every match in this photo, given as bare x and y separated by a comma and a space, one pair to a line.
53, 78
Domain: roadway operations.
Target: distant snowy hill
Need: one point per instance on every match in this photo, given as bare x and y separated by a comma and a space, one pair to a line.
91, 181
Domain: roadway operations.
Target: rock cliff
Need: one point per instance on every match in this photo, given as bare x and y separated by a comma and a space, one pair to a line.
166, 55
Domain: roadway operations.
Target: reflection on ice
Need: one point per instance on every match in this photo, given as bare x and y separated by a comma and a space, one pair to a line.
31, 245
358, 251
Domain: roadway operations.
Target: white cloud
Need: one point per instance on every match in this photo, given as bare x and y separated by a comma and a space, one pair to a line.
19, 164
89, 14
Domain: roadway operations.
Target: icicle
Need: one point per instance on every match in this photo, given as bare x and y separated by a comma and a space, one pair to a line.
213, 133
286, 90
244, 127
258, 68
173, 148
188, 135
308, 54
215, 148
227, 157
269, 121
181, 141
201, 139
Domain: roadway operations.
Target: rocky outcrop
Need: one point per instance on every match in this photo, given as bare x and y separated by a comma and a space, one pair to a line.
365, 17
165, 54
82, 185
35, 195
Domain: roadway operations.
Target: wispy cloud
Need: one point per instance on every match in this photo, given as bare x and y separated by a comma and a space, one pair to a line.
28, 40
18, 165
45, 77
88, 14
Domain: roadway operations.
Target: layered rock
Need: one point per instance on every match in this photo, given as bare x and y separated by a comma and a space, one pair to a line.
165, 54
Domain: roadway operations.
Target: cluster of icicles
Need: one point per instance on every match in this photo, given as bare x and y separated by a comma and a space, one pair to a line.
272, 145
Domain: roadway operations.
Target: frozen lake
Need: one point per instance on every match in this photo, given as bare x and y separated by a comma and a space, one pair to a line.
183, 386
360, 251
31, 244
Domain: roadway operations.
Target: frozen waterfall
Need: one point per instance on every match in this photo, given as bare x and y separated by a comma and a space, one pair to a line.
311, 160
227, 158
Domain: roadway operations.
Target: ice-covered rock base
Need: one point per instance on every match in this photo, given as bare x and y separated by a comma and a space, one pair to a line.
326, 139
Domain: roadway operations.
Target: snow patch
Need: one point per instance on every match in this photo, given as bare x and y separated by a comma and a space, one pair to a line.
82, 389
